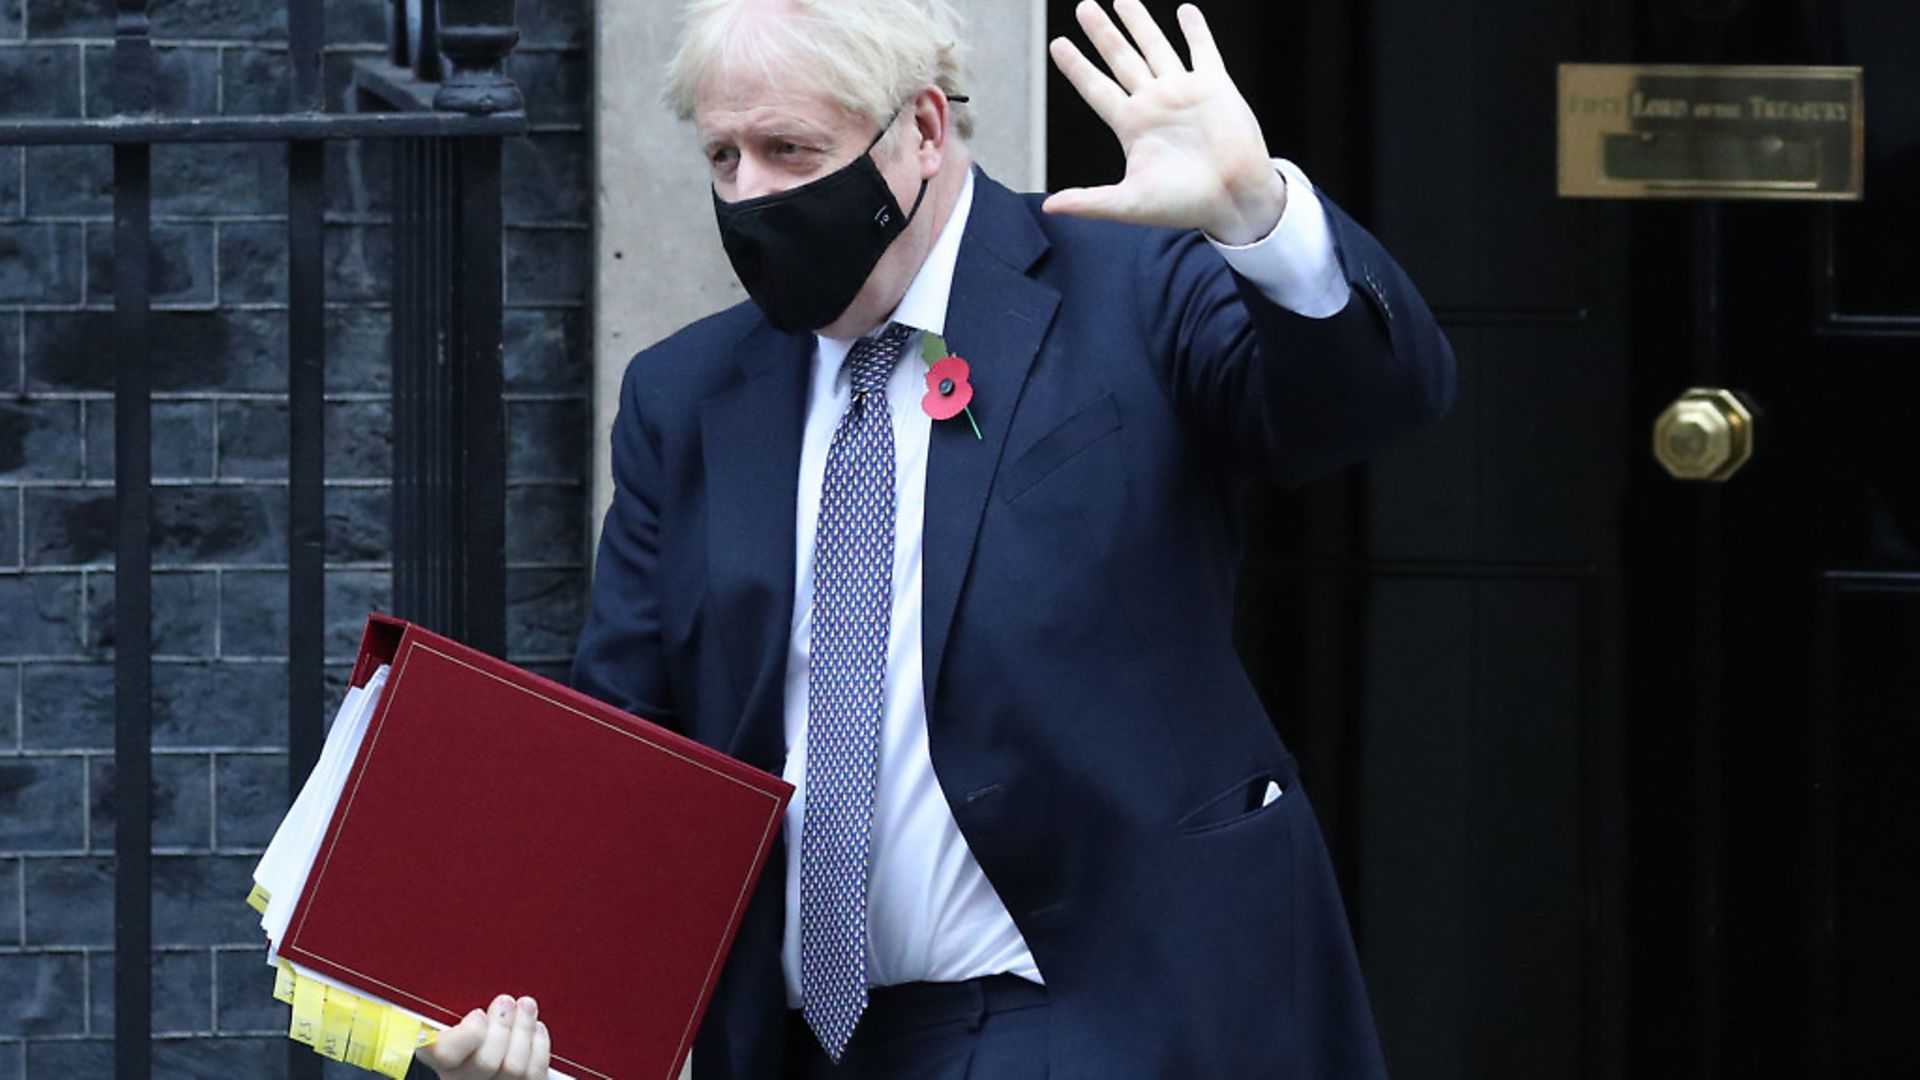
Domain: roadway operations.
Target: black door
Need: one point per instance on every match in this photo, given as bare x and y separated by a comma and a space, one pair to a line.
1619, 770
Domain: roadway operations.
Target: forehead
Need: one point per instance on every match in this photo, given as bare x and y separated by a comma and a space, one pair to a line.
738, 105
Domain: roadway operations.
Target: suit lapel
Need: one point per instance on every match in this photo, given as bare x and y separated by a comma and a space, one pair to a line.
997, 318
751, 440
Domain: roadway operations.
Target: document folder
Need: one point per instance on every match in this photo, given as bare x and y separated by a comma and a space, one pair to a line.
499, 832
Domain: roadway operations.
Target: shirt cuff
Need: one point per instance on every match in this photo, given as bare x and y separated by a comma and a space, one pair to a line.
1295, 265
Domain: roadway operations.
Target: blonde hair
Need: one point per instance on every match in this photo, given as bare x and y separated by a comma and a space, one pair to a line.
869, 56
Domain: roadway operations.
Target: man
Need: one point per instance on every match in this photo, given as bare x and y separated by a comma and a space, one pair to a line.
1044, 827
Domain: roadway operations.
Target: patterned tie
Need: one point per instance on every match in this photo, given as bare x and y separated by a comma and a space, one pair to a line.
852, 616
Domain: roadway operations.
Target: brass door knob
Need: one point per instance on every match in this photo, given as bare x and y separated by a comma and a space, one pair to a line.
1705, 435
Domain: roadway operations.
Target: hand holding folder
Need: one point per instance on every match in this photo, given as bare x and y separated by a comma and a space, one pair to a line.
473, 828
506, 1041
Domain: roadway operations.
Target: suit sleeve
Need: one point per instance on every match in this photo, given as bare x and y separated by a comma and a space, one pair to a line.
1280, 397
619, 659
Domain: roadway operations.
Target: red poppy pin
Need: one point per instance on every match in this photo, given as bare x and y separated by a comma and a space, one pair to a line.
948, 391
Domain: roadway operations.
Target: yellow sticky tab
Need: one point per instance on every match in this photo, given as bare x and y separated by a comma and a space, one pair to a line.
309, 1000
399, 1034
283, 983
258, 899
363, 1042
336, 1022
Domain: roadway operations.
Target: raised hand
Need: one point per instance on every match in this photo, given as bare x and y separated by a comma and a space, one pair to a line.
1195, 155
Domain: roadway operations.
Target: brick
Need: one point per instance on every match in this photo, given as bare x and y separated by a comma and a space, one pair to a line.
12, 187
337, 81
9, 352
547, 350
359, 440
545, 610
246, 1002
37, 440
10, 920
9, 737
555, 22
68, 528
253, 610
359, 263
182, 991
70, 19
547, 440
70, 1057
201, 900
251, 797
254, 439
9, 528
183, 605
40, 264
69, 181
181, 801
186, 81
359, 350
182, 443
237, 20
66, 706
40, 800
359, 525
191, 524
179, 264
192, 351
219, 524
222, 705
254, 1057
42, 614
557, 85
546, 524
42, 993
254, 81
69, 900
548, 265
253, 263
219, 178
357, 22
544, 178
359, 177
40, 81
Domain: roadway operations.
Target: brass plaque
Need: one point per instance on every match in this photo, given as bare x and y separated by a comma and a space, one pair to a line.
1659, 131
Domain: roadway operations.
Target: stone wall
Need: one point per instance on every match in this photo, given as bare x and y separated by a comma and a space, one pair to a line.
220, 446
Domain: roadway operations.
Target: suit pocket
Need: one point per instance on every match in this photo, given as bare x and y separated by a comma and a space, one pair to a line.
1057, 447
1253, 797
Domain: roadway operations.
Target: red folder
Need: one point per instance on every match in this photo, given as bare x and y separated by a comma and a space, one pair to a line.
500, 832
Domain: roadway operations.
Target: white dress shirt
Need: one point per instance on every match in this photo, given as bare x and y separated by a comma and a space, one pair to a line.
932, 915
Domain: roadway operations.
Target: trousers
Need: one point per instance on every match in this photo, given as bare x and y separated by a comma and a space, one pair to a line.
992, 1028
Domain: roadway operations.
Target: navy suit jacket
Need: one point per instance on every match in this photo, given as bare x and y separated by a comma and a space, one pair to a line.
1089, 720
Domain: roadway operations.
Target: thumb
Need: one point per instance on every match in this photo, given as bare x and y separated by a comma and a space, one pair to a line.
1109, 203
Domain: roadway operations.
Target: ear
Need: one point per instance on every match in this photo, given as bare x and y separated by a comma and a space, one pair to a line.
932, 121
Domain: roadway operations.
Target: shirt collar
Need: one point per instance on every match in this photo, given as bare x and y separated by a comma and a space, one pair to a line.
924, 307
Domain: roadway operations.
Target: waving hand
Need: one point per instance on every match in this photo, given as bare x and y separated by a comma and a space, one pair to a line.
1195, 155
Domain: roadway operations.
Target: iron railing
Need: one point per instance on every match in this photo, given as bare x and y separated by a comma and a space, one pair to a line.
442, 98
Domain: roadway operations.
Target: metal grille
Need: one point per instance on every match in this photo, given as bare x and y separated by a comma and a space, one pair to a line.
442, 98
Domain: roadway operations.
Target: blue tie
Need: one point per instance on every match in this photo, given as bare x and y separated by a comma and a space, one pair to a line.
846, 694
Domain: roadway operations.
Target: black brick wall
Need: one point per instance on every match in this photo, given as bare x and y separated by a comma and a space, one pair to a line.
220, 460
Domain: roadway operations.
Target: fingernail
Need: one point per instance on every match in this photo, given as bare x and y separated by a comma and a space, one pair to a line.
527, 1007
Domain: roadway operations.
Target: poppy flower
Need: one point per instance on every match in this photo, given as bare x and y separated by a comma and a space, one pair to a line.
948, 391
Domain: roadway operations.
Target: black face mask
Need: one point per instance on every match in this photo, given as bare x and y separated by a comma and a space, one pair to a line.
804, 253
